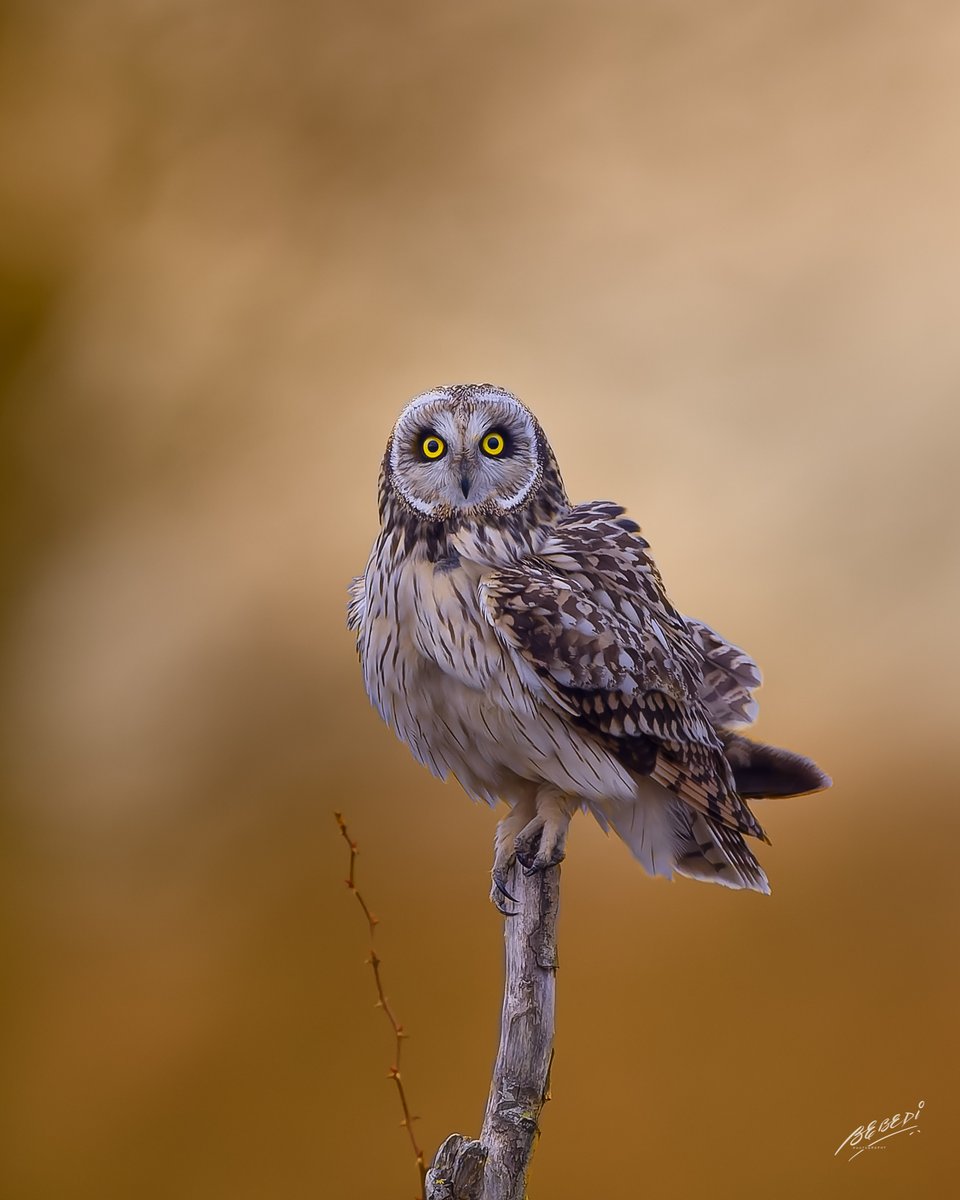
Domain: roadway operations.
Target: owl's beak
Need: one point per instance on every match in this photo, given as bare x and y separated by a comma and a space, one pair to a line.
465, 486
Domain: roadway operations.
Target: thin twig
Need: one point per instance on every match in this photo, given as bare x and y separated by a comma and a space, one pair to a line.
382, 1002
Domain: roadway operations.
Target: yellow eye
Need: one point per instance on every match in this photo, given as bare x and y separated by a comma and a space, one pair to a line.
493, 444
433, 446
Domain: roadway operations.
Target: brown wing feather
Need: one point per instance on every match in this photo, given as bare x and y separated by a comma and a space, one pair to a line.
590, 616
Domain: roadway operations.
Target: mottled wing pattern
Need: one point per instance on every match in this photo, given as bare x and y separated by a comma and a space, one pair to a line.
590, 616
729, 677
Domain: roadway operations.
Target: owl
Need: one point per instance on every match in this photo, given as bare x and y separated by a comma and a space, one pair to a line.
527, 646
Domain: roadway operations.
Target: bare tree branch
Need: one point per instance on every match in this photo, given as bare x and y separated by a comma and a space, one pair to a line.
521, 1075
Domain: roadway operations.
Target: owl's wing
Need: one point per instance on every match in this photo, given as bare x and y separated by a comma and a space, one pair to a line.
729, 675
590, 618
729, 678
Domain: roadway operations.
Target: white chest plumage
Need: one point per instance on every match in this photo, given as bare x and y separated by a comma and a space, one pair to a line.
438, 673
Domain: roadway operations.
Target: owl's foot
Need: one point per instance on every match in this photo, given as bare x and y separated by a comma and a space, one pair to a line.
543, 842
534, 833
504, 857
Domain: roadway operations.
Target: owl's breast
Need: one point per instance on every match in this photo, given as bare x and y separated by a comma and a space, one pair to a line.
440, 606
431, 662
426, 630
438, 674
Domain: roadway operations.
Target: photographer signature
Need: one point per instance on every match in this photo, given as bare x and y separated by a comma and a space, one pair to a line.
864, 1137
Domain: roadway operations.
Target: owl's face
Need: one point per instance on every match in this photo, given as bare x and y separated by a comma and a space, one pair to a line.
465, 447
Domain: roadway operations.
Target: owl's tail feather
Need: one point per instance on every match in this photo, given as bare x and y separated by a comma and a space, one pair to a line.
760, 770
667, 836
709, 851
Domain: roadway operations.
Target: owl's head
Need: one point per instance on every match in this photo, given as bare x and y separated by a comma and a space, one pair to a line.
468, 447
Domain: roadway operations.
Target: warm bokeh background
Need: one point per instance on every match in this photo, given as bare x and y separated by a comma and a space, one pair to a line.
715, 246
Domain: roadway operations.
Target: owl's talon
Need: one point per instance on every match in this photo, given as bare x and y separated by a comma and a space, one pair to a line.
504, 859
498, 886
499, 894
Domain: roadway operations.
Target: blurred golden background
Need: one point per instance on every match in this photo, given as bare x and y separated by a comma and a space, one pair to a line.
714, 246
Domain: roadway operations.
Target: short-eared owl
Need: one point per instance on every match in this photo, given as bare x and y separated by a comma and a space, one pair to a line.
527, 646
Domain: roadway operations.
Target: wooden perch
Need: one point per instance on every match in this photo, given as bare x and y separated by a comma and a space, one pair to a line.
495, 1167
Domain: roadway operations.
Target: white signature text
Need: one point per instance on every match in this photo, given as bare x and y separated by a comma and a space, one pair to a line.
872, 1136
